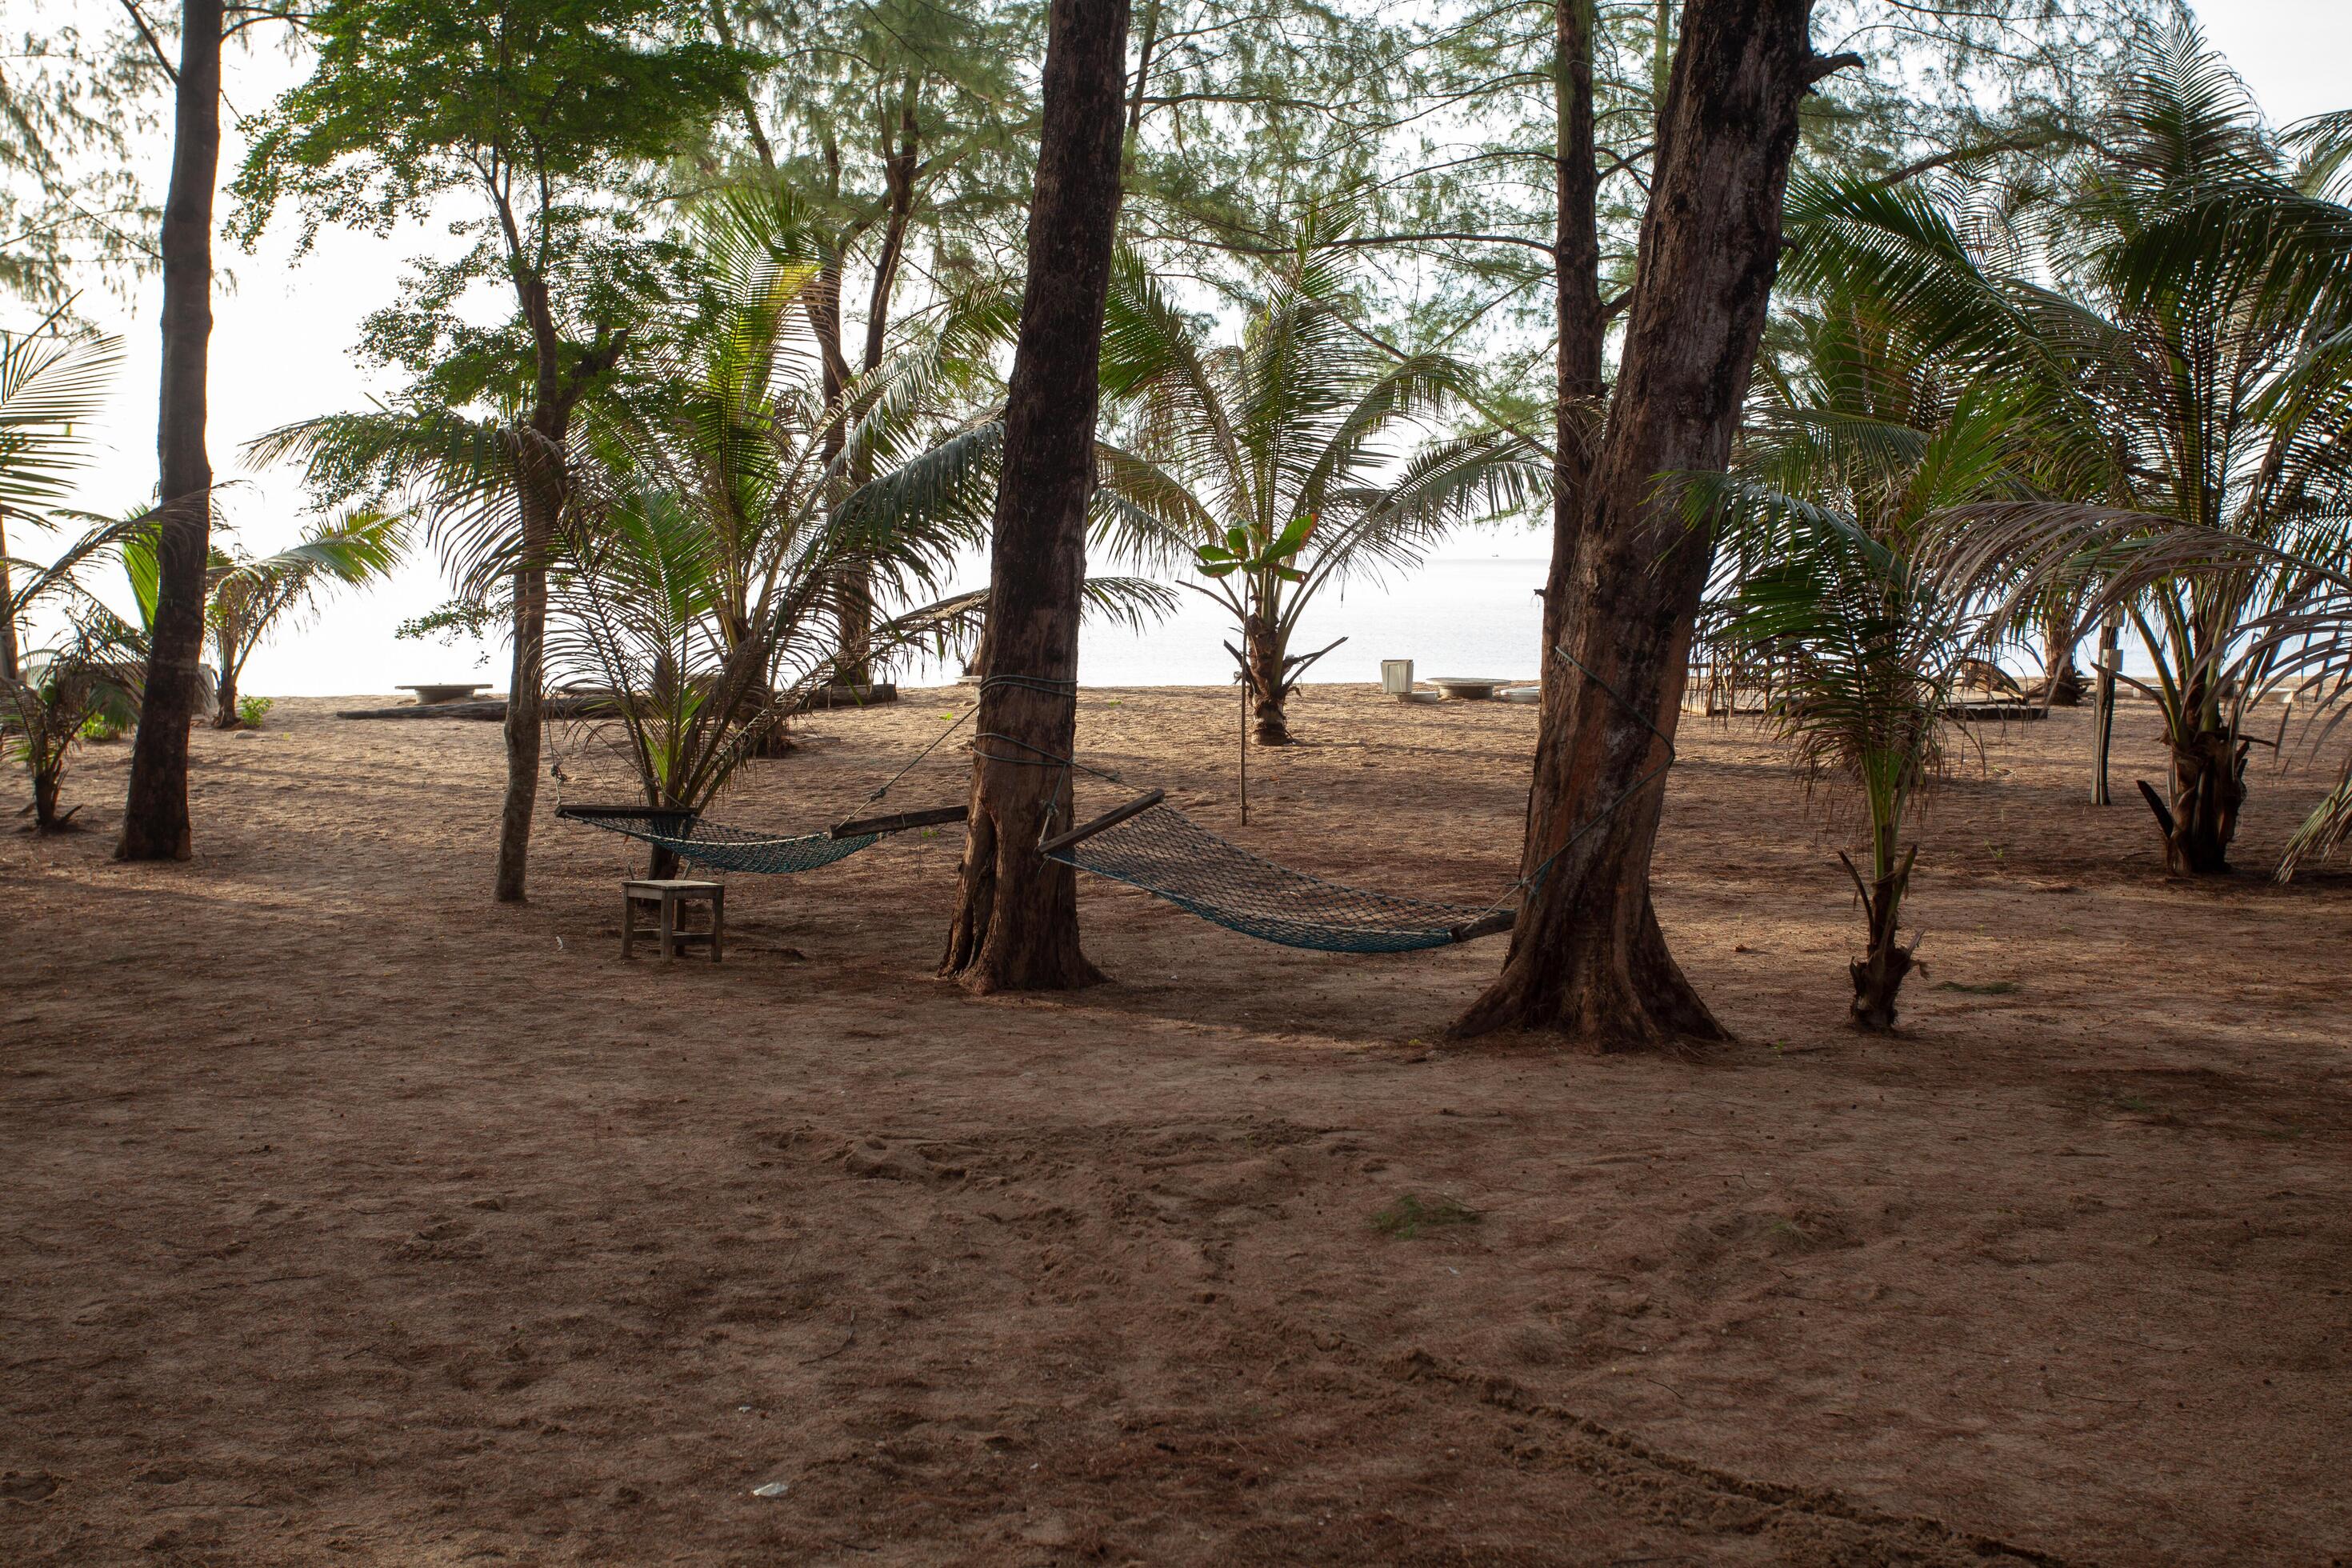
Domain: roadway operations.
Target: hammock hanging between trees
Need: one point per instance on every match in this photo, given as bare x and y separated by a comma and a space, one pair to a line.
1151, 845
723, 848
1146, 844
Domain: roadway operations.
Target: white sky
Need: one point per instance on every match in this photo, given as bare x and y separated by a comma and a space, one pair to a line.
283, 335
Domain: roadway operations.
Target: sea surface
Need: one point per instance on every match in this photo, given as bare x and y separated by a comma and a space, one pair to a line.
1451, 616
1471, 610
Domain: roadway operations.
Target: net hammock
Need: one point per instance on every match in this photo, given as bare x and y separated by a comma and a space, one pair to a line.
1151, 845
718, 847
1167, 855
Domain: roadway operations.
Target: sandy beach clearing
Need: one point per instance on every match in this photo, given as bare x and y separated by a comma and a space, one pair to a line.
355, 1218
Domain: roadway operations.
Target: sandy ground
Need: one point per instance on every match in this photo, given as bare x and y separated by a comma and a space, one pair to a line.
350, 1217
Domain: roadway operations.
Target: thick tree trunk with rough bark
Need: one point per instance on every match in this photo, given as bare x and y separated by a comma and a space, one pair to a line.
155, 812
1262, 650
1587, 956
1878, 974
2200, 817
2061, 684
1016, 922
45, 801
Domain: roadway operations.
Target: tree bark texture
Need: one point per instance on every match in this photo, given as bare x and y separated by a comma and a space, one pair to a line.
2061, 683
1269, 693
1878, 974
45, 800
540, 483
2208, 788
1016, 921
225, 687
901, 164
542, 491
1586, 957
155, 813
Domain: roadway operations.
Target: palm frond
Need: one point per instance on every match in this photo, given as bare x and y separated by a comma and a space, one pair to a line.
51, 383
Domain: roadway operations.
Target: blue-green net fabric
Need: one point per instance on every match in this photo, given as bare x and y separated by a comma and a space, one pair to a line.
1170, 856
720, 849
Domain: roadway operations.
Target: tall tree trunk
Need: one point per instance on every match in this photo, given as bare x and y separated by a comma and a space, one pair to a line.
821, 301
540, 485
1262, 653
1016, 921
155, 813
1587, 956
901, 162
1583, 326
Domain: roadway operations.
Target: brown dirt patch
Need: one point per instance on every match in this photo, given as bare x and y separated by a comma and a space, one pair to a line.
352, 1219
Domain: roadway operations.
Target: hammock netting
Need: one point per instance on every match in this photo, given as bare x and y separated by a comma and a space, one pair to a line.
1170, 856
718, 847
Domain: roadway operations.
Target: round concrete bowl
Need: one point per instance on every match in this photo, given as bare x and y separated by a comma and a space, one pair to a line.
428, 695
1463, 687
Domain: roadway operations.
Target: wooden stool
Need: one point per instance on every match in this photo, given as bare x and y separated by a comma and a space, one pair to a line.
668, 895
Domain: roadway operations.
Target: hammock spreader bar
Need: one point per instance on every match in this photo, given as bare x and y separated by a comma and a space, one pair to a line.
723, 849
1151, 845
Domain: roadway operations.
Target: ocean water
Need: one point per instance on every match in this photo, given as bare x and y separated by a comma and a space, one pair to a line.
1451, 616
1459, 614
1471, 610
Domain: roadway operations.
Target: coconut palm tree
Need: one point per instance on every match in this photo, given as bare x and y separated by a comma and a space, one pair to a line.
1274, 466
1853, 447
247, 597
2179, 318
91, 667
52, 382
731, 519
250, 597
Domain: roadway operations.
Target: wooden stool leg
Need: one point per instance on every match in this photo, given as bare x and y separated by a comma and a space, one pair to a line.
668, 923
718, 923
628, 923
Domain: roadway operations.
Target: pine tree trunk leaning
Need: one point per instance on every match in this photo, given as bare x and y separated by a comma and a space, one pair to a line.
1016, 921
155, 812
1587, 956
